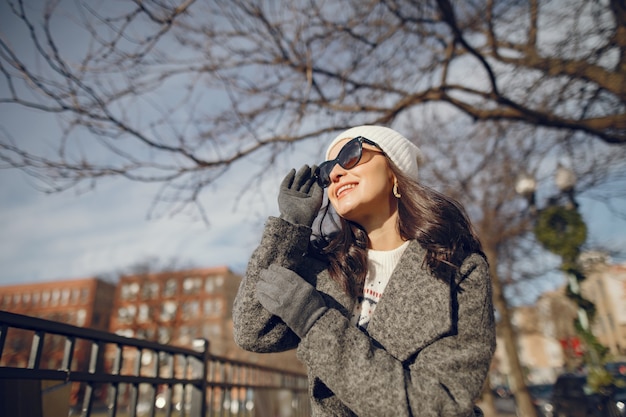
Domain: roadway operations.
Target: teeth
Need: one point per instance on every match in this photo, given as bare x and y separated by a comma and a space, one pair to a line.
345, 187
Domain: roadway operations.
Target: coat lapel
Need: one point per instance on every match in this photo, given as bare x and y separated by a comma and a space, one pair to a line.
415, 308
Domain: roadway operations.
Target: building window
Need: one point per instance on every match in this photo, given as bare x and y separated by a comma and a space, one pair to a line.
122, 315
184, 334
219, 306
213, 307
147, 334
191, 309
213, 282
65, 297
144, 313
150, 290
169, 290
129, 291
168, 311
56, 296
75, 296
209, 307
164, 335
126, 314
84, 295
219, 280
191, 285
45, 298
81, 317
146, 357
125, 332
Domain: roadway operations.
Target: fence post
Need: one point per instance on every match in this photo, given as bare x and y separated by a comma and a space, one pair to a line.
199, 371
93, 369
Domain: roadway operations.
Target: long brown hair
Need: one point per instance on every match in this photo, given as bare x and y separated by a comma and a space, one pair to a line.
438, 222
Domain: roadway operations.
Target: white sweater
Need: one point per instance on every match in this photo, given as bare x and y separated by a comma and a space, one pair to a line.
380, 265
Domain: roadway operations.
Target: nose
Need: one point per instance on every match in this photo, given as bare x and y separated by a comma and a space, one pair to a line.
336, 173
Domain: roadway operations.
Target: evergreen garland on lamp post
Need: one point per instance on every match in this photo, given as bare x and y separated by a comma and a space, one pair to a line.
560, 229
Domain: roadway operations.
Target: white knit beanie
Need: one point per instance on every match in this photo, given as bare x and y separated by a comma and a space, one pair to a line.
406, 155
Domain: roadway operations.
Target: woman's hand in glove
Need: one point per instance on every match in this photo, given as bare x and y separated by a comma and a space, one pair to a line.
287, 295
300, 196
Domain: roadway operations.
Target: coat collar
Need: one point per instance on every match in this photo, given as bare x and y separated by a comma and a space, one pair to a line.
415, 308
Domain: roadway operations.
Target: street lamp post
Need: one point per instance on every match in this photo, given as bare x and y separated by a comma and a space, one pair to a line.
560, 229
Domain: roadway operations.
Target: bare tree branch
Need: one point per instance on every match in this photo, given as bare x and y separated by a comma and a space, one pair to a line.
179, 91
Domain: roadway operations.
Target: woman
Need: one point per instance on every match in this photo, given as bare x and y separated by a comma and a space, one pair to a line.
391, 313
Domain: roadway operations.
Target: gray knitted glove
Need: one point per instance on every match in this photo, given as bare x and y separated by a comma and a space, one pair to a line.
287, 295
300, 196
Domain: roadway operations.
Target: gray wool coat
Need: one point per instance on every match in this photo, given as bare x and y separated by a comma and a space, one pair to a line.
427, 349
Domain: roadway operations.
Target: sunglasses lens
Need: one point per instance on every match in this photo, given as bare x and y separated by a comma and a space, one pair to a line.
323, 173
349, 156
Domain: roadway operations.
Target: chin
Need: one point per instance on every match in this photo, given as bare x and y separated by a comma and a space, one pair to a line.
350, 215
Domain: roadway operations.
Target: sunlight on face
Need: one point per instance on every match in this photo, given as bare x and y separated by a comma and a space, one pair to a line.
362, 194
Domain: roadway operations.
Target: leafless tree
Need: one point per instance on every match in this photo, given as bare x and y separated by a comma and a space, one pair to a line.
178, 91
479, 166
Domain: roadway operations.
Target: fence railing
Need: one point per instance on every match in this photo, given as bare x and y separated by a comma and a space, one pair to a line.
72, 370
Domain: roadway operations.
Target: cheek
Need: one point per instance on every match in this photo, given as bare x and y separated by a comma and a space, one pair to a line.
376, 187
371, 193
346, 202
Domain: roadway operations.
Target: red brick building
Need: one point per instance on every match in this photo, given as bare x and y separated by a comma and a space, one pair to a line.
80, 302
167, 307
179, 306
176, 307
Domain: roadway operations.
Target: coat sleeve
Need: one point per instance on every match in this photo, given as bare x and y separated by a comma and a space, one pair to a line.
442, 378
255, 329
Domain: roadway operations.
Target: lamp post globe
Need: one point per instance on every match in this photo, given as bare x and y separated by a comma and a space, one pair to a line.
565, 178
526, 186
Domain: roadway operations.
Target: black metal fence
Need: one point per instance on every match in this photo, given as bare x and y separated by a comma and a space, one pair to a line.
125, 377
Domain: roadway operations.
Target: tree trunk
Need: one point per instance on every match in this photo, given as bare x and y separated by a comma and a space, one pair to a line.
522, 397
487, 403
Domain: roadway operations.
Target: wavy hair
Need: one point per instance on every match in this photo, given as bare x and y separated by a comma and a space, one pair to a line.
439, 223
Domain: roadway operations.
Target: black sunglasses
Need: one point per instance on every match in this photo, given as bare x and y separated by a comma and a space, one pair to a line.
348, 157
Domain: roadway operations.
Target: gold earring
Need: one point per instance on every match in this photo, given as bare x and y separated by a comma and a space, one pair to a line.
395, 189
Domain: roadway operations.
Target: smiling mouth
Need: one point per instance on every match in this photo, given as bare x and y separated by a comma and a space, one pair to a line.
344, 188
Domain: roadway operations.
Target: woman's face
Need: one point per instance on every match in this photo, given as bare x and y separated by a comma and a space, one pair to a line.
362, 194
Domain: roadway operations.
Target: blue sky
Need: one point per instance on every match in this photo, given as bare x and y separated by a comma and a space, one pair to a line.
61, 236
76, 234
80, 233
